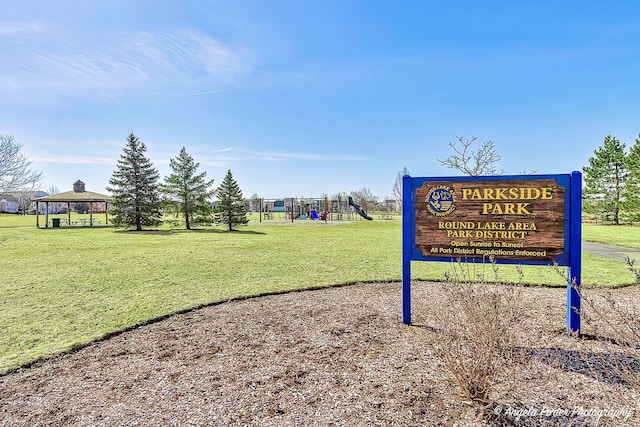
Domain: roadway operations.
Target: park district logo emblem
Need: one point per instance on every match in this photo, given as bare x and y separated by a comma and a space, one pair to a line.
440, 200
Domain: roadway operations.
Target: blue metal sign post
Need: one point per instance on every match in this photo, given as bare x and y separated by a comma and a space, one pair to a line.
575, 255
519, 219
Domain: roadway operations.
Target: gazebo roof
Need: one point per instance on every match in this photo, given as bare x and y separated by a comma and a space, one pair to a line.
75, 196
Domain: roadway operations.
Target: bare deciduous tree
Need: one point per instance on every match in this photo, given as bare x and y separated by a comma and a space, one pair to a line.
365, 198
15, 171
254, 202
57, 207
397, 187
479, 162
24, 199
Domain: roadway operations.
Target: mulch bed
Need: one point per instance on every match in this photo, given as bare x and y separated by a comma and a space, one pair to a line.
330, 357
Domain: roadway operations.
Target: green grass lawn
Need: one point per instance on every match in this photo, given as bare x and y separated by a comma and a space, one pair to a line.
65, 287
8, 220
621, 235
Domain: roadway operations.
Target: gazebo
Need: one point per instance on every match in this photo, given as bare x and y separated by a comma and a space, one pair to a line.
78, 195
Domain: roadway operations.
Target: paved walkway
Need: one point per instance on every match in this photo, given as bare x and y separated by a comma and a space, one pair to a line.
617, 253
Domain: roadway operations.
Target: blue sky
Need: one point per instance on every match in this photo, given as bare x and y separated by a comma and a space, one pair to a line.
303, 98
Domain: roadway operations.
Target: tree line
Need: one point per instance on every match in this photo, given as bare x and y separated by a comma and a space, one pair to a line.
611, 191
141, 200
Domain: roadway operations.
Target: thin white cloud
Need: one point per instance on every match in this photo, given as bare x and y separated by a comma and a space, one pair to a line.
225, 89
73, 160
207, 92
74, 152
266, 156
238, 154
20, 29
222, 158
126, 61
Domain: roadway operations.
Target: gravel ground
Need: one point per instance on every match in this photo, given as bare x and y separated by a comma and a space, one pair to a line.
330, 357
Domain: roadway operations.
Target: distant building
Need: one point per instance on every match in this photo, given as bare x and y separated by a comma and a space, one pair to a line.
278, 206
16, 201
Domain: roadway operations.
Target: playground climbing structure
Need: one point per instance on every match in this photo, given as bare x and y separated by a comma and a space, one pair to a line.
340, 207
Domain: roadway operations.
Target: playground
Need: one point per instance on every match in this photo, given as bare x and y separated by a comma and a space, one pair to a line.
338, 208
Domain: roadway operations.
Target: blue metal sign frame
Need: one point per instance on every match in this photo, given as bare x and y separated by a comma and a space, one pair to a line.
569, 257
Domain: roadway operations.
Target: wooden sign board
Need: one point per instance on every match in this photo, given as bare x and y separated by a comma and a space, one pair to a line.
505, 219
522, 219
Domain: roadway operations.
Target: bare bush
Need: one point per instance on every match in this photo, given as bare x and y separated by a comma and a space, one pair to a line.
610, 340
477, 326
614, 323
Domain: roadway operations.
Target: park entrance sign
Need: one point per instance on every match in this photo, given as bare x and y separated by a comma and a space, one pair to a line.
515, 220
523, 219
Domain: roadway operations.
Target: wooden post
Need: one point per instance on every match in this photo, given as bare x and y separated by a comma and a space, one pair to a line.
326, 209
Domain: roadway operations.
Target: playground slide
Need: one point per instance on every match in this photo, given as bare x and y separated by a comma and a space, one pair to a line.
359, 209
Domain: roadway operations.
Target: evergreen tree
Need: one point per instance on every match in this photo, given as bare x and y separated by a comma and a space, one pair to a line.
631, 201
605, 178
231, 209
135, 189
186, 192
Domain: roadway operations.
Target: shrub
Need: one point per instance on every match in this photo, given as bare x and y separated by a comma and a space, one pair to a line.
476, 331
611, 336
